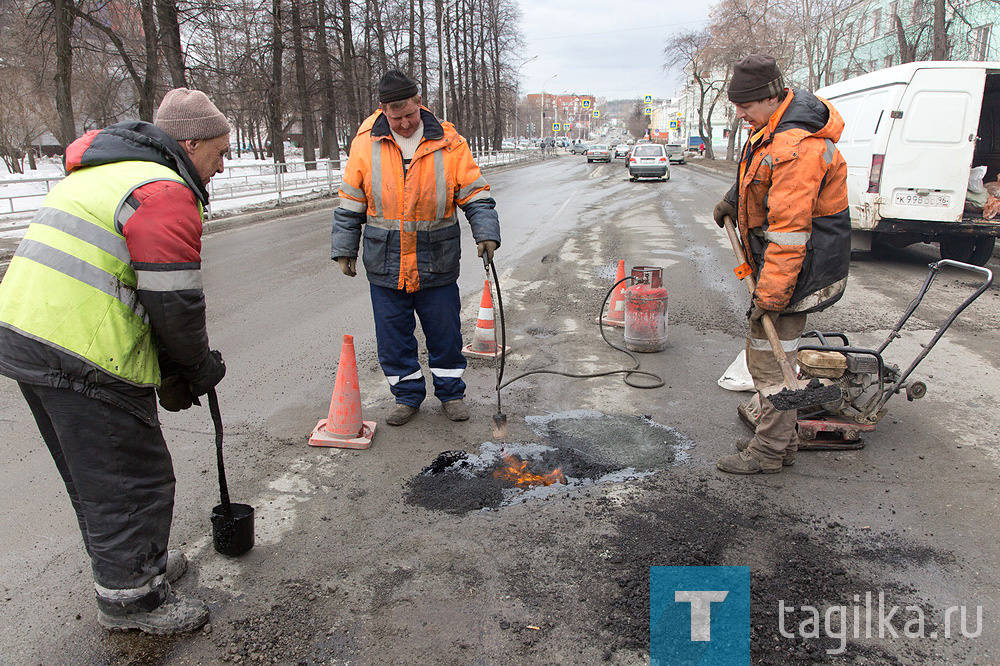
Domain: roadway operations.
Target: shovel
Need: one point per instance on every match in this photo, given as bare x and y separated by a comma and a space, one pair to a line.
791, 397
232, 524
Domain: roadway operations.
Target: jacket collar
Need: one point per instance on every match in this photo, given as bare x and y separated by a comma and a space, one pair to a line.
433, 130
134, 140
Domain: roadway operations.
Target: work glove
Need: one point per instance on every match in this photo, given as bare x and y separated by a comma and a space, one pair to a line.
722, 210
348, 265
486, 250
207, 374
175, 394
756, 312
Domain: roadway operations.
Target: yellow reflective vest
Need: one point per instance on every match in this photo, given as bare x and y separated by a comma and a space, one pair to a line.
70, 284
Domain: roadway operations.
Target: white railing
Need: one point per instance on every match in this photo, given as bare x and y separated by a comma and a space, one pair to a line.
238, 185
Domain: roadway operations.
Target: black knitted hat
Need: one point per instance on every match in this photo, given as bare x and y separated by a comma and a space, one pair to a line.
755, 77
394, 86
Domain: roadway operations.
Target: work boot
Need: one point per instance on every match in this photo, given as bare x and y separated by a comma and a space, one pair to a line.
174, 616
456, 410
177, 564
401, 414
744, 463
787, 461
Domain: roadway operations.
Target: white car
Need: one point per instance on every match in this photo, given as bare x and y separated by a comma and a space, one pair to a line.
621, 150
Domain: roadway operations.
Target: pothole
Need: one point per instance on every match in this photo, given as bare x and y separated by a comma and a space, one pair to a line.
582, 448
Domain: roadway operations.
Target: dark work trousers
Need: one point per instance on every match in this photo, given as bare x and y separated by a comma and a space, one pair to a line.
439, 312
120, 480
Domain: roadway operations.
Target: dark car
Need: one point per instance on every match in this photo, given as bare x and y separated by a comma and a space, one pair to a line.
648, 160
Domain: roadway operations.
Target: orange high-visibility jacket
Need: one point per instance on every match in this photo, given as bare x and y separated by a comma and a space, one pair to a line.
791, 198
411, 235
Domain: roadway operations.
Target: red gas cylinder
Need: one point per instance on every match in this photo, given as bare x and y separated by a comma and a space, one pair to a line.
646, 311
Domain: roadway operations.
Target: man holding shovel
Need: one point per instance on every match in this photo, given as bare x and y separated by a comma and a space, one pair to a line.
101, 307
406, 178
790, 205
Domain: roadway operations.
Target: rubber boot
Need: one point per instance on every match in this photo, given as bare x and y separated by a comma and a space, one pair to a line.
456, 410
175, 615
401, 414
177, 564
787, 461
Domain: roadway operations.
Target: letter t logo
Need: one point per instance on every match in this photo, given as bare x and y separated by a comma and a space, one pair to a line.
701, 613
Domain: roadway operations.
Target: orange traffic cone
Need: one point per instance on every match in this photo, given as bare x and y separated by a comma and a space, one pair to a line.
616, 309
343, 427
484, 344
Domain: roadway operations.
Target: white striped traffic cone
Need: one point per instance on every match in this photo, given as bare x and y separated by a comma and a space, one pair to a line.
484, 344
616, 308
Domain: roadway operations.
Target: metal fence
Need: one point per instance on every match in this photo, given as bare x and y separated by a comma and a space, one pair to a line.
239, 185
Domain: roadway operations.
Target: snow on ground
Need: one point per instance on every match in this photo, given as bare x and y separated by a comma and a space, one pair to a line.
245, 183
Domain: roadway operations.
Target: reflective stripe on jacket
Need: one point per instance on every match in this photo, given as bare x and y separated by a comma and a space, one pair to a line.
792, 206
71, 284
411, 235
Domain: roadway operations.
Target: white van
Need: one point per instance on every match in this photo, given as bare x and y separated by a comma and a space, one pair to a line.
912, 135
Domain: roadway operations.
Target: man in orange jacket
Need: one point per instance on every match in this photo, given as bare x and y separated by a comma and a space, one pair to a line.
790, 204
405, 177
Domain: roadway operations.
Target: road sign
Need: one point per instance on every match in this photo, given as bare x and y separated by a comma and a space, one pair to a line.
648, 111
556, 127
673, 124
648, 99
586, 103
567, 126
597, 114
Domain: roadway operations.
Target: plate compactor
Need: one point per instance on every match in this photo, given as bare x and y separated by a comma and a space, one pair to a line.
866, 379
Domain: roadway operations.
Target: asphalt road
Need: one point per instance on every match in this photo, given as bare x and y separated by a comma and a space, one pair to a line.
360, 559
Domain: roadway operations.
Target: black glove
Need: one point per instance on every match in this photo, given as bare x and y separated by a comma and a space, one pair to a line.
723, 209
756, 312
175, 394
207, 374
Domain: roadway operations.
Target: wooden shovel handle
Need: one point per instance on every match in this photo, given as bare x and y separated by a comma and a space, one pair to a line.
791, 382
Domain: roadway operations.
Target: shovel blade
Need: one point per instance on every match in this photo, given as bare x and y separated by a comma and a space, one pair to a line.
812, 395
500, 426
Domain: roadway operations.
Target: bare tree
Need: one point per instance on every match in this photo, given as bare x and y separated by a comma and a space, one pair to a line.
694, 53
170, 41
302, 88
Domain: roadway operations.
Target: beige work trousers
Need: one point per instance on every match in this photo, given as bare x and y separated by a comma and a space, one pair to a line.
775, 432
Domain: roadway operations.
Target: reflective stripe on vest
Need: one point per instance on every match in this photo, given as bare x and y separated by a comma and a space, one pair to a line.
70, 284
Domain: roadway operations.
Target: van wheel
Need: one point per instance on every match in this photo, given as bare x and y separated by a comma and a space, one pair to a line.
971, 250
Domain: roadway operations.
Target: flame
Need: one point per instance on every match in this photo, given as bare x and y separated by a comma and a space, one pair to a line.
515, 471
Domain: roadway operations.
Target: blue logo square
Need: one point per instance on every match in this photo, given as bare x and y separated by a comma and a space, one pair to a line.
699, 615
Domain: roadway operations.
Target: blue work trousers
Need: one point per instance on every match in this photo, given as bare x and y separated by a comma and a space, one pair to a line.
439, 311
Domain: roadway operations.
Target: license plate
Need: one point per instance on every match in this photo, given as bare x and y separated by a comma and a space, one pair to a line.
647, 160
930, 200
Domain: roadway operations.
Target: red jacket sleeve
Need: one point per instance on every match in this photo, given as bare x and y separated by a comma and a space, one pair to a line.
163, 236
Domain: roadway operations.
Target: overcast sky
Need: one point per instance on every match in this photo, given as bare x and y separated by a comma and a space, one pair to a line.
605, 48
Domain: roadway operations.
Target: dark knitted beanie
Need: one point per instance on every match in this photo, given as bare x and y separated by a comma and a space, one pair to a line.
190, 114
755, 77
394, 86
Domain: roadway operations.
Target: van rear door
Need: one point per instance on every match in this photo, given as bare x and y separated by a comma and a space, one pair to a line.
929, 153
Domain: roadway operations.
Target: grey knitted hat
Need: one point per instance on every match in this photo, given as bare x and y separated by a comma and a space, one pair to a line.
190, 114
755, 77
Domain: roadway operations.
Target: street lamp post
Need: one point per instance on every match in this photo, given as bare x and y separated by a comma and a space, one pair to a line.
517, 97
541, 112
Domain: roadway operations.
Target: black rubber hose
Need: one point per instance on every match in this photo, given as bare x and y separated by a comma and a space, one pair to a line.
658, 381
